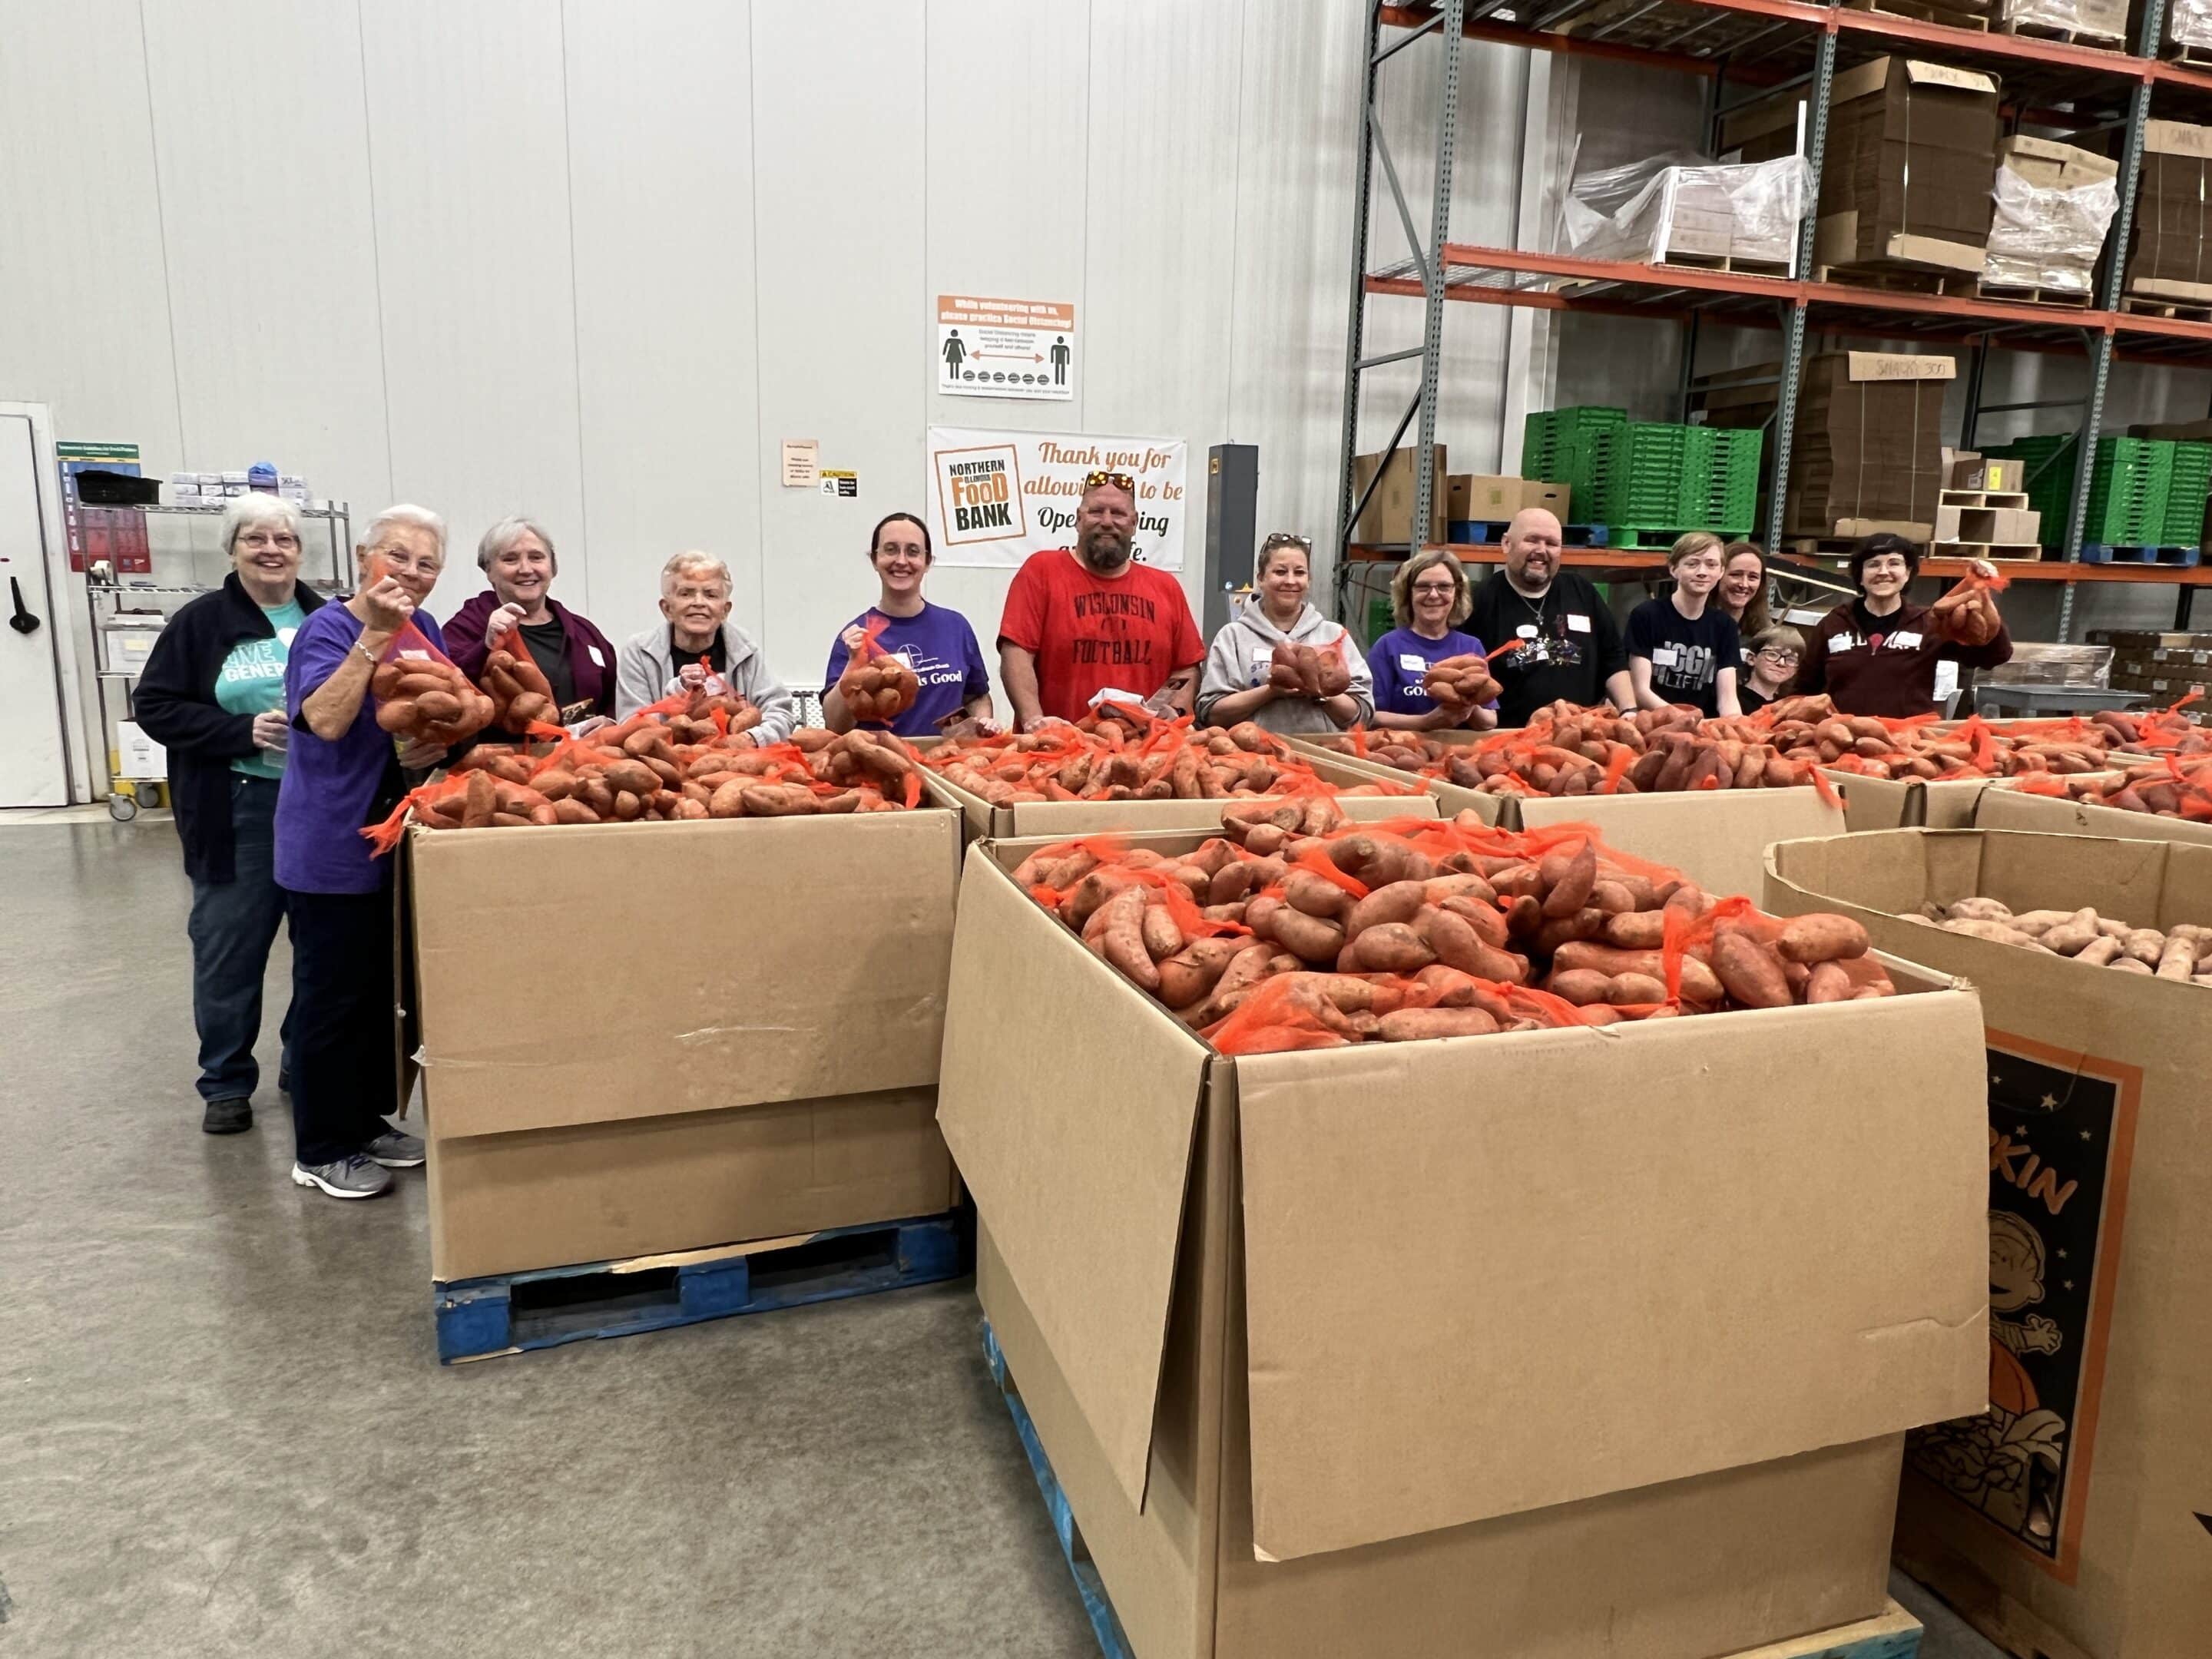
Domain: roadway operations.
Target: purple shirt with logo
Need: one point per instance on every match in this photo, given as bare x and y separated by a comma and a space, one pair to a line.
1402, 657
940, 648
330, 788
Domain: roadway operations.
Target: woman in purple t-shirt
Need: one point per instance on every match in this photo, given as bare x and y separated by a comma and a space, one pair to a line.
938, 644
344, 772
1428, 598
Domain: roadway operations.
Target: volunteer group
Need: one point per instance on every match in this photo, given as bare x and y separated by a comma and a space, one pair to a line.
259, 691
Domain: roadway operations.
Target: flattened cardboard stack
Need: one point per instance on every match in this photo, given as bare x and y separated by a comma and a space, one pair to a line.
1904, 180
1869, 449
2168, 259
1389, 1351
2165, 667
2070, 1519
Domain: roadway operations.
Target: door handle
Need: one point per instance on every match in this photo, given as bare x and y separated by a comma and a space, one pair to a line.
23, 621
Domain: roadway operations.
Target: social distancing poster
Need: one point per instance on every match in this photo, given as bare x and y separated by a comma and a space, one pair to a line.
997, 497
1004, 348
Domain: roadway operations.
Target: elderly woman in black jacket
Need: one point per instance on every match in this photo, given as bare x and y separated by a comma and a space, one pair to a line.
213, 694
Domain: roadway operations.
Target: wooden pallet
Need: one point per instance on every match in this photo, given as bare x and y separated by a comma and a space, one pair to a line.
2189, 310
2184, 52
1893, 1633
1737, 263
1995, 552
2093, 41
512, 1313
2020, 294
1908, 279
2014, 499
2178, 558
1921, 13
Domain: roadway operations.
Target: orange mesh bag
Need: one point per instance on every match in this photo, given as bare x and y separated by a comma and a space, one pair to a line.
876, 685
1968, 615
521, 695
419, 693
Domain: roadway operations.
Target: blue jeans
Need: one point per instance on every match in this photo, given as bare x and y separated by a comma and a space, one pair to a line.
233, 925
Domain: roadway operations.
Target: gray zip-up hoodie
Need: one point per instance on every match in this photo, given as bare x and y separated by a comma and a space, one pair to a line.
1243, 651
645, 673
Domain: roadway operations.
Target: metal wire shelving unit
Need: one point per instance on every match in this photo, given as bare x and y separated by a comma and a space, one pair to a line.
1745, 49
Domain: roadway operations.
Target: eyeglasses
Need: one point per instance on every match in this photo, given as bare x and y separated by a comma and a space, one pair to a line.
1121, 481
1446, 588
1771, 655
254, 540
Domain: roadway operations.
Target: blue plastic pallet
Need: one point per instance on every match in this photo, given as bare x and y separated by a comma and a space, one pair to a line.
1489, 533
2178, 559
1893, 1633
513, 1313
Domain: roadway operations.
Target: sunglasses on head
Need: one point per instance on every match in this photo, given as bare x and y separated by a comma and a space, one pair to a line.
1121, 481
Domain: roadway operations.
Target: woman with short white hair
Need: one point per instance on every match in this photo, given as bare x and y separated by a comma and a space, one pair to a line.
700, 648
343, 774
519, 614
213, 696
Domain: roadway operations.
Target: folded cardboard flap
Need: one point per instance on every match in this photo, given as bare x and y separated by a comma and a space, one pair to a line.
806, 931
1069, 1099
1469, 1296
2016, 809
1717, 837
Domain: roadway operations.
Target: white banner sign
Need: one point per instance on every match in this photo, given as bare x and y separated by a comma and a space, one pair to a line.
997, 497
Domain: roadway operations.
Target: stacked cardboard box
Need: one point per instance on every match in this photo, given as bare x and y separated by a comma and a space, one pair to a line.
2168, 260
1906, 178
2163, 666
1479, 498
1389, 514
1869, 447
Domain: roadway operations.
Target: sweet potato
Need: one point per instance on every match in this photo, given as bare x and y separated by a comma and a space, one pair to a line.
1389, 947
1750, 971
1822, 937
1828, 982
1418, 1024
1699, 982
1582, 985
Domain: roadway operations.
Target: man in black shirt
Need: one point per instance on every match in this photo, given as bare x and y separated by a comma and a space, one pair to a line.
1570, 646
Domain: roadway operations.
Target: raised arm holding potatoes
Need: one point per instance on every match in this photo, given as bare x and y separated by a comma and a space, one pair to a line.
700, 648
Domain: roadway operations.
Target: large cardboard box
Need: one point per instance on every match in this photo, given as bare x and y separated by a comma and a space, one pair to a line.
1480, 498
1717, 837
1389, 515
2070, 1519
2168, 256
2003, 807
1906, 175
1869, 439
1386, 1350
762, 1002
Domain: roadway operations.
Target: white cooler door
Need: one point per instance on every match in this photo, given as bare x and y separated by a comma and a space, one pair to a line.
32, 768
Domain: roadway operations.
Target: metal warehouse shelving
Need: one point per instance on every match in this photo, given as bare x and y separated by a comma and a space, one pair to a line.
1745, 49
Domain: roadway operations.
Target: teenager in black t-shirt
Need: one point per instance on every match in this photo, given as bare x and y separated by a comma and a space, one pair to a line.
1568, 645
1682, 648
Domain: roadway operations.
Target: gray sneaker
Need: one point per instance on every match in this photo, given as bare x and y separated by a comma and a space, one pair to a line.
395, 1149
357, 1177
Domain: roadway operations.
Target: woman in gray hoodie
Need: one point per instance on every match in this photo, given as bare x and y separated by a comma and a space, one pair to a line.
1235, 684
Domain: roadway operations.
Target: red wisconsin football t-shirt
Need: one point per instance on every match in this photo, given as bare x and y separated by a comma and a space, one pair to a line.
1090, 633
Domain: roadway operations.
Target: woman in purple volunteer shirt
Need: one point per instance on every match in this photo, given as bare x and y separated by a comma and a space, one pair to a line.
938, 644
344, 771
1428, 598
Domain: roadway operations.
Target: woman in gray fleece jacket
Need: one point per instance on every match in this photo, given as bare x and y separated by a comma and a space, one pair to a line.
1236, 687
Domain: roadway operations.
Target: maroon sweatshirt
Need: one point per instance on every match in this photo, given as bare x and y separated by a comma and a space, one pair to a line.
591, 658
1885, 665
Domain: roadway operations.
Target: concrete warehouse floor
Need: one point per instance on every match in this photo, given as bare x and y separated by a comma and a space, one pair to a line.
226, 1431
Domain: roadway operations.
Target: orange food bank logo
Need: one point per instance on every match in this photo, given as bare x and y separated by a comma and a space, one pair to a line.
979, 494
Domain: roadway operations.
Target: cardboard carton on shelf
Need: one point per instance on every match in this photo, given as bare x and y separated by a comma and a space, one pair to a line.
2054, 204
1965, 469
1479, 498
780, 1079
1389, 514
2067, 1520
1869, 441
2169, 258
2105, 21
1905, 175
1321, 1371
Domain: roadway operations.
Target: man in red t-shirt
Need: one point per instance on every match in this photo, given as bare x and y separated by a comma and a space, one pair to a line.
1086, 619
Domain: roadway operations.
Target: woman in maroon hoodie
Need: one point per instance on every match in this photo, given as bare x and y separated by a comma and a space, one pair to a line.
517, 556
1877, 655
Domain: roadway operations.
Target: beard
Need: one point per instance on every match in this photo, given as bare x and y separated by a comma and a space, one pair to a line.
1105, 550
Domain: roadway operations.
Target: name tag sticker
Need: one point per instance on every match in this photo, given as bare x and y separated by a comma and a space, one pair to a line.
1665, 656
416, 656
1411, 665
1841, 641
598, 661
1527, 631
1576, 623
1905, 642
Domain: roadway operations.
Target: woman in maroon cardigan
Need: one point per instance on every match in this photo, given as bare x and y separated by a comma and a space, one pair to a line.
517, 556
1877, 655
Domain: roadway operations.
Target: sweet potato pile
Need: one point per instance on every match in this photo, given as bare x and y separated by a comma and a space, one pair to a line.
1968, 613
688, 757
1107, 758
521, 695
1570, 750
1303, 670
2183, 952
1293, 930
2169, 787
1460, 683
2157, 732
427, 698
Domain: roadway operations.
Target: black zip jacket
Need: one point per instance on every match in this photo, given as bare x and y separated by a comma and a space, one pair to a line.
176, 703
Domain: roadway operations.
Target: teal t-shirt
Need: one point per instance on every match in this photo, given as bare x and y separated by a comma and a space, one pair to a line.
252, 681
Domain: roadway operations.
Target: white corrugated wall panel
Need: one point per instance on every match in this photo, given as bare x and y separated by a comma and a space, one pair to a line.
272, 252
468, 155
661, 161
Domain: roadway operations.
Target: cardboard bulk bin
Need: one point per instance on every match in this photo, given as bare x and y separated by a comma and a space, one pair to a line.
2071, 1519
1717, 837
1541, 1345
730, 1033
2006, 808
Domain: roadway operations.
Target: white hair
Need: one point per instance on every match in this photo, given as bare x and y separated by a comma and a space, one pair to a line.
413, 517
253, 511
684, 564
509, 531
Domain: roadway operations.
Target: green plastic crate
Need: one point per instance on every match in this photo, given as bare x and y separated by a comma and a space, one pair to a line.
2191, 481
2129, 486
